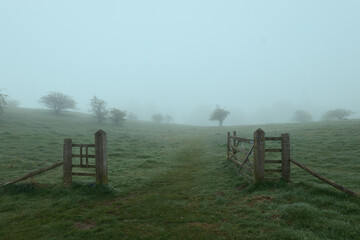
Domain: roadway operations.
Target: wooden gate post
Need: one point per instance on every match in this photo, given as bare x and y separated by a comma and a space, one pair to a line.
101, 157
285, 156
228, 146
67, 161
259, 156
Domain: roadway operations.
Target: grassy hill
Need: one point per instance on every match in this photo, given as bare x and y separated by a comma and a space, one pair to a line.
171, 181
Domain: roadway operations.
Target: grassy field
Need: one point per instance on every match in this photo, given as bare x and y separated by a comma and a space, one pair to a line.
170, 181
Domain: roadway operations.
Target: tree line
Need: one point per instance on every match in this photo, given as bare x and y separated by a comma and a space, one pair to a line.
59, 102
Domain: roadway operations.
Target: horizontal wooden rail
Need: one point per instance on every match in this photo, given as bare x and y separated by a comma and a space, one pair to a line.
273, 170
250, 141
272, 138
84, 174
79, 155
334, 184
32, 174
83, 166
272, 161
273, 150
83, 145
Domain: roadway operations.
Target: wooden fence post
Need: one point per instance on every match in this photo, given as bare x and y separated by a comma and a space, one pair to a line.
234, 142
101, 157
285, 156
67, 161
228, 146
259, 156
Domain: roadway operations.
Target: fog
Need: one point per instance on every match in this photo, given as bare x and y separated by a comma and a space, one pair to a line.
260, 60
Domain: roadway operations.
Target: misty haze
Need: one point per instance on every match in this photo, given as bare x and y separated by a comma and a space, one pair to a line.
259, 60
227, 119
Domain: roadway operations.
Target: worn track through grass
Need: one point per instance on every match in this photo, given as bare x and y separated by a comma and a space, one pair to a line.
173, 182
171, 203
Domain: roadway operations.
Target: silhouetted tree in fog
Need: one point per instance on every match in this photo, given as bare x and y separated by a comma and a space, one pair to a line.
117, 116
57, 102
338, 114
2, 102
302, 116
157, 118
98, 107
220, 115
168, 118
12, 103
132, 116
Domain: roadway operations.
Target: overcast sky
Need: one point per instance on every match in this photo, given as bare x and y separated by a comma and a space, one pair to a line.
261, 60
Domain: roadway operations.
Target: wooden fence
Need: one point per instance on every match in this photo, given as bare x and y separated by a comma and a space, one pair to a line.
100, 159
254, 161
239, 151
100, 156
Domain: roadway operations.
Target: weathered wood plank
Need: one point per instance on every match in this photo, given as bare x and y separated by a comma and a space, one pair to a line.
273, 139
228, 146
259, 156
250, 141
84, 174
83, 145
83, 166
334, 184
101, 157
32, 174
285, 156
273, 150
79, 156
273, 161
273, 170
67, 159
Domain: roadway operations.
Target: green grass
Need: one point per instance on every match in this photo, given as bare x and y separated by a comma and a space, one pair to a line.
173, 182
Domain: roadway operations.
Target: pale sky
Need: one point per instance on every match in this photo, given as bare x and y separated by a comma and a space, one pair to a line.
261, 60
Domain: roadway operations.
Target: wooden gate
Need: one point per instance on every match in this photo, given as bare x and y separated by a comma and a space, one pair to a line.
84, 158
256, 161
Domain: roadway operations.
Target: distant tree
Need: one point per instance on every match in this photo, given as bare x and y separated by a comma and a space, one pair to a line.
98, 107
57, 101
302, 116
2, 102
219, 114
168, 118
117, 116
132, 116
12, 103
157, 118
338, 114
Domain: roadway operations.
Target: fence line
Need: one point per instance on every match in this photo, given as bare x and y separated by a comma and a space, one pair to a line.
32, 174
259, 171
334, 184
256, 164
100, 161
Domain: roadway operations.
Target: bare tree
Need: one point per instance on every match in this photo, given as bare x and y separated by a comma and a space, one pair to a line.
132, 116
302, 116
117, 116
98, 107
57, 101
12, 103
168, 118
339, 114
2, 102
219, 114
157, 118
